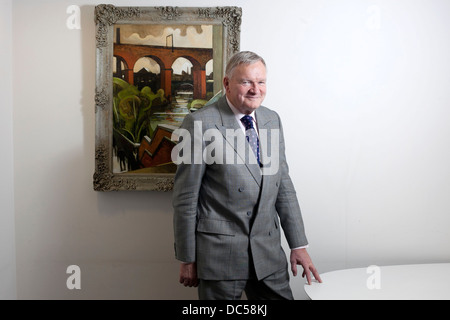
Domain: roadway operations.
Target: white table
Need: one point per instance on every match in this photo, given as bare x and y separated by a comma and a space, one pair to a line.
400, 282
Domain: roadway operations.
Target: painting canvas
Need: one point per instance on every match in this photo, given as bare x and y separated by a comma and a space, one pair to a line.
160, 74
155, 65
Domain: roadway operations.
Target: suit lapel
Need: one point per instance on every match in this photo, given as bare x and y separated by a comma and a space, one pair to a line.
264, 126
229, 122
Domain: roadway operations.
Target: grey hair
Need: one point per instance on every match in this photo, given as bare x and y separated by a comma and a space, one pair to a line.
243, 57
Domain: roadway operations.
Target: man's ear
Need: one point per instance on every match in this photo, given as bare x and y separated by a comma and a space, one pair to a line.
226, 83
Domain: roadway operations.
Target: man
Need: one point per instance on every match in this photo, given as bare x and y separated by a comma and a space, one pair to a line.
227, 215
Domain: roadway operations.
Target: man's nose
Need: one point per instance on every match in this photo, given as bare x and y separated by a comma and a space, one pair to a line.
254, 87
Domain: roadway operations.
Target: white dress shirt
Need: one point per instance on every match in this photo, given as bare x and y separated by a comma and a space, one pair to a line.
239, 116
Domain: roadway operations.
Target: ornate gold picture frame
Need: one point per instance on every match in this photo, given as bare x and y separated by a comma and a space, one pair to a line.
154, 65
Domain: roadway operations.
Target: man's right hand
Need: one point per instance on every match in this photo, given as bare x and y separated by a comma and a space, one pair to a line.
188, 274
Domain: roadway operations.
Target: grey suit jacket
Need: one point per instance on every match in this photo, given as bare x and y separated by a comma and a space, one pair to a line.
227, 216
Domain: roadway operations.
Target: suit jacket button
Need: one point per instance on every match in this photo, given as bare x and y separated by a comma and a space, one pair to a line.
249, 213
241, 189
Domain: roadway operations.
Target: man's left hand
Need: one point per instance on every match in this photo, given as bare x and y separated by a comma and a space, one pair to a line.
301, 257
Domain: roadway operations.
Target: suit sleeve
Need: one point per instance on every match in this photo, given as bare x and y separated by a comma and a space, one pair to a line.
287, 204
186, 190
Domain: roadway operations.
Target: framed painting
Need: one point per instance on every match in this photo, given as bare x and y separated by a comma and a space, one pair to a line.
154, 65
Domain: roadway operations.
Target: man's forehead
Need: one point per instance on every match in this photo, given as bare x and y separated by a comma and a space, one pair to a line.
257, 64
243, 70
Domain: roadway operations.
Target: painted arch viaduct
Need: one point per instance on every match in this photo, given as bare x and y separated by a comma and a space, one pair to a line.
165, 57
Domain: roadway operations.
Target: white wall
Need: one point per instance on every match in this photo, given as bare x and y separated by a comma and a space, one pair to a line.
361, 87
7, 245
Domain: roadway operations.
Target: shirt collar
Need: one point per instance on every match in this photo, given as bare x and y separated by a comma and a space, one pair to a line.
238, 114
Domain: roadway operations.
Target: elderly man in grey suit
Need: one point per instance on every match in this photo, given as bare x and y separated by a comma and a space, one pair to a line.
228, 212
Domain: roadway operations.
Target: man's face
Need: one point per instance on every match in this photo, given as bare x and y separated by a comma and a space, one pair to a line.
246, 88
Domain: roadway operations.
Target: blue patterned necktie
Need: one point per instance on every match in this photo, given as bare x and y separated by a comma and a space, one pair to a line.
251, 135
